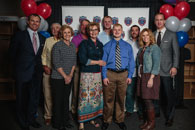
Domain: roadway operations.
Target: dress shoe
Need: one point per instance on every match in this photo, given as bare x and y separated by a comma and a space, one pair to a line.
35, 124
127, 114
169, 123
157, 115
122, 126
69, 126
25, 128
62, 128
105, 126
47, 121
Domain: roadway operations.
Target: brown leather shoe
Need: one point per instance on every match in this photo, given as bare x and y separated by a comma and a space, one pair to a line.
47, 121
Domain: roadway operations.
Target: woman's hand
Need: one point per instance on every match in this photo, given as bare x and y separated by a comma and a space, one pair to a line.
150, 83
101, 63
67, 79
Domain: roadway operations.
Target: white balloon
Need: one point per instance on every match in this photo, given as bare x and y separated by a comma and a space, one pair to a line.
42, 24
172, 23
22, 23
46, 26
184, 25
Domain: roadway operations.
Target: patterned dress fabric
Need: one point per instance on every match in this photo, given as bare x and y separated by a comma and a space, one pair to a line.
90, 97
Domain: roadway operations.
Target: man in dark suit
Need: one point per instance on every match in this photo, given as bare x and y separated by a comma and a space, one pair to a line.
25, 50
168, 44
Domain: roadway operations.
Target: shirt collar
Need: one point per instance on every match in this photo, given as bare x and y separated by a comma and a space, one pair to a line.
31, 31
162, 30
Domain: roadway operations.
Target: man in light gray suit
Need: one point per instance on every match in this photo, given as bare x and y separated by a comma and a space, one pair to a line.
168, 44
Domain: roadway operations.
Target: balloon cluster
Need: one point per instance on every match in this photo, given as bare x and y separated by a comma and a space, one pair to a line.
30, 7
175, 19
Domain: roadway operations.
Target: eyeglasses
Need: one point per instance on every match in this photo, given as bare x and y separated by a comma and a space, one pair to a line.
93, 30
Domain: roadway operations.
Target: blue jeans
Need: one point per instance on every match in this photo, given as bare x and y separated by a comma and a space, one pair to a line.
130, 95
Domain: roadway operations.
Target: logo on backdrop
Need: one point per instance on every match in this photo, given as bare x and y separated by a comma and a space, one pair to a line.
96, 19
68, 20
114, 20
142, 21
128, 21
76, 32
81, 18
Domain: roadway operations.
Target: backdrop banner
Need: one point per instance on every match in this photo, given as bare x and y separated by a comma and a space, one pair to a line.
128, 17
73, 15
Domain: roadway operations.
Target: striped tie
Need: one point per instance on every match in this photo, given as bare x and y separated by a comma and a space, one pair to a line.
117, 57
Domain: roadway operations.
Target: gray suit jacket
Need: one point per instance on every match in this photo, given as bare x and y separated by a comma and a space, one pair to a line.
169, 52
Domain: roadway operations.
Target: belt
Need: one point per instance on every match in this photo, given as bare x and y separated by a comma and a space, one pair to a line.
117, 71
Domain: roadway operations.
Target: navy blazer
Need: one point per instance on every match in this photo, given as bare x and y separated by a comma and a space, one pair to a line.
25, 62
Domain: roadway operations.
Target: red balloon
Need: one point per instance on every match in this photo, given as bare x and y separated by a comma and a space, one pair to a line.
44, 10
181, 10
29, 7
167, 10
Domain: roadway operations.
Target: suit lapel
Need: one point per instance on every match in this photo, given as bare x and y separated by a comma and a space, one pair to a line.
29, 41
165, 36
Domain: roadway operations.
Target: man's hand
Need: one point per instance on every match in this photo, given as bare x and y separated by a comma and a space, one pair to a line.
106, 81
173, 72
129, 81
47, 70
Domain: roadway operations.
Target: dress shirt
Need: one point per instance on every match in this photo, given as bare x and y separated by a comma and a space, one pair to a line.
162, 33
135, 47
31, 37
76, 40
46, 54
104, 37
127, 59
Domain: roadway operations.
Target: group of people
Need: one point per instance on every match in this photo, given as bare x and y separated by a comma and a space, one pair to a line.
106, 74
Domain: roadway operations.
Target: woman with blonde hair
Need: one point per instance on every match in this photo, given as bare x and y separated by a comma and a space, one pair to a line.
148, 62
63, 61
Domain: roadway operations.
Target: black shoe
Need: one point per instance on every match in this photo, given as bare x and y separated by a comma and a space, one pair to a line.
105, 126
25, 128
128, 114
157, 115
35, 124
69, 126
169, 123
122, 126
62, 128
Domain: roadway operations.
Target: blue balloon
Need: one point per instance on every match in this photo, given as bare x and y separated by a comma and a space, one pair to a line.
182, 38
45, 34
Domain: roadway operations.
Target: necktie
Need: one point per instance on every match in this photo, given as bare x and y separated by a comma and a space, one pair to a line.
117, 57
159, 38
35, 42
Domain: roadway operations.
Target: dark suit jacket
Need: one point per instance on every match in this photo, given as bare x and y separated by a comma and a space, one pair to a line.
25, 62
169, 52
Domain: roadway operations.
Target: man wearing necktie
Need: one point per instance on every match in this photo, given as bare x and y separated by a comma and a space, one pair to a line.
167, 41
25, 51
117, 73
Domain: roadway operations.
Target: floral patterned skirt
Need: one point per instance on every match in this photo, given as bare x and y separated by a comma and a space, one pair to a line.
90, 104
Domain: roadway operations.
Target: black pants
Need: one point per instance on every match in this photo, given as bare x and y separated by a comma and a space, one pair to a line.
60, 95
27, 100
168, 96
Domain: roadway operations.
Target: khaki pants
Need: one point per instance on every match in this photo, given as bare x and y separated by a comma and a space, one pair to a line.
75, 92
47, 96
115, 92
